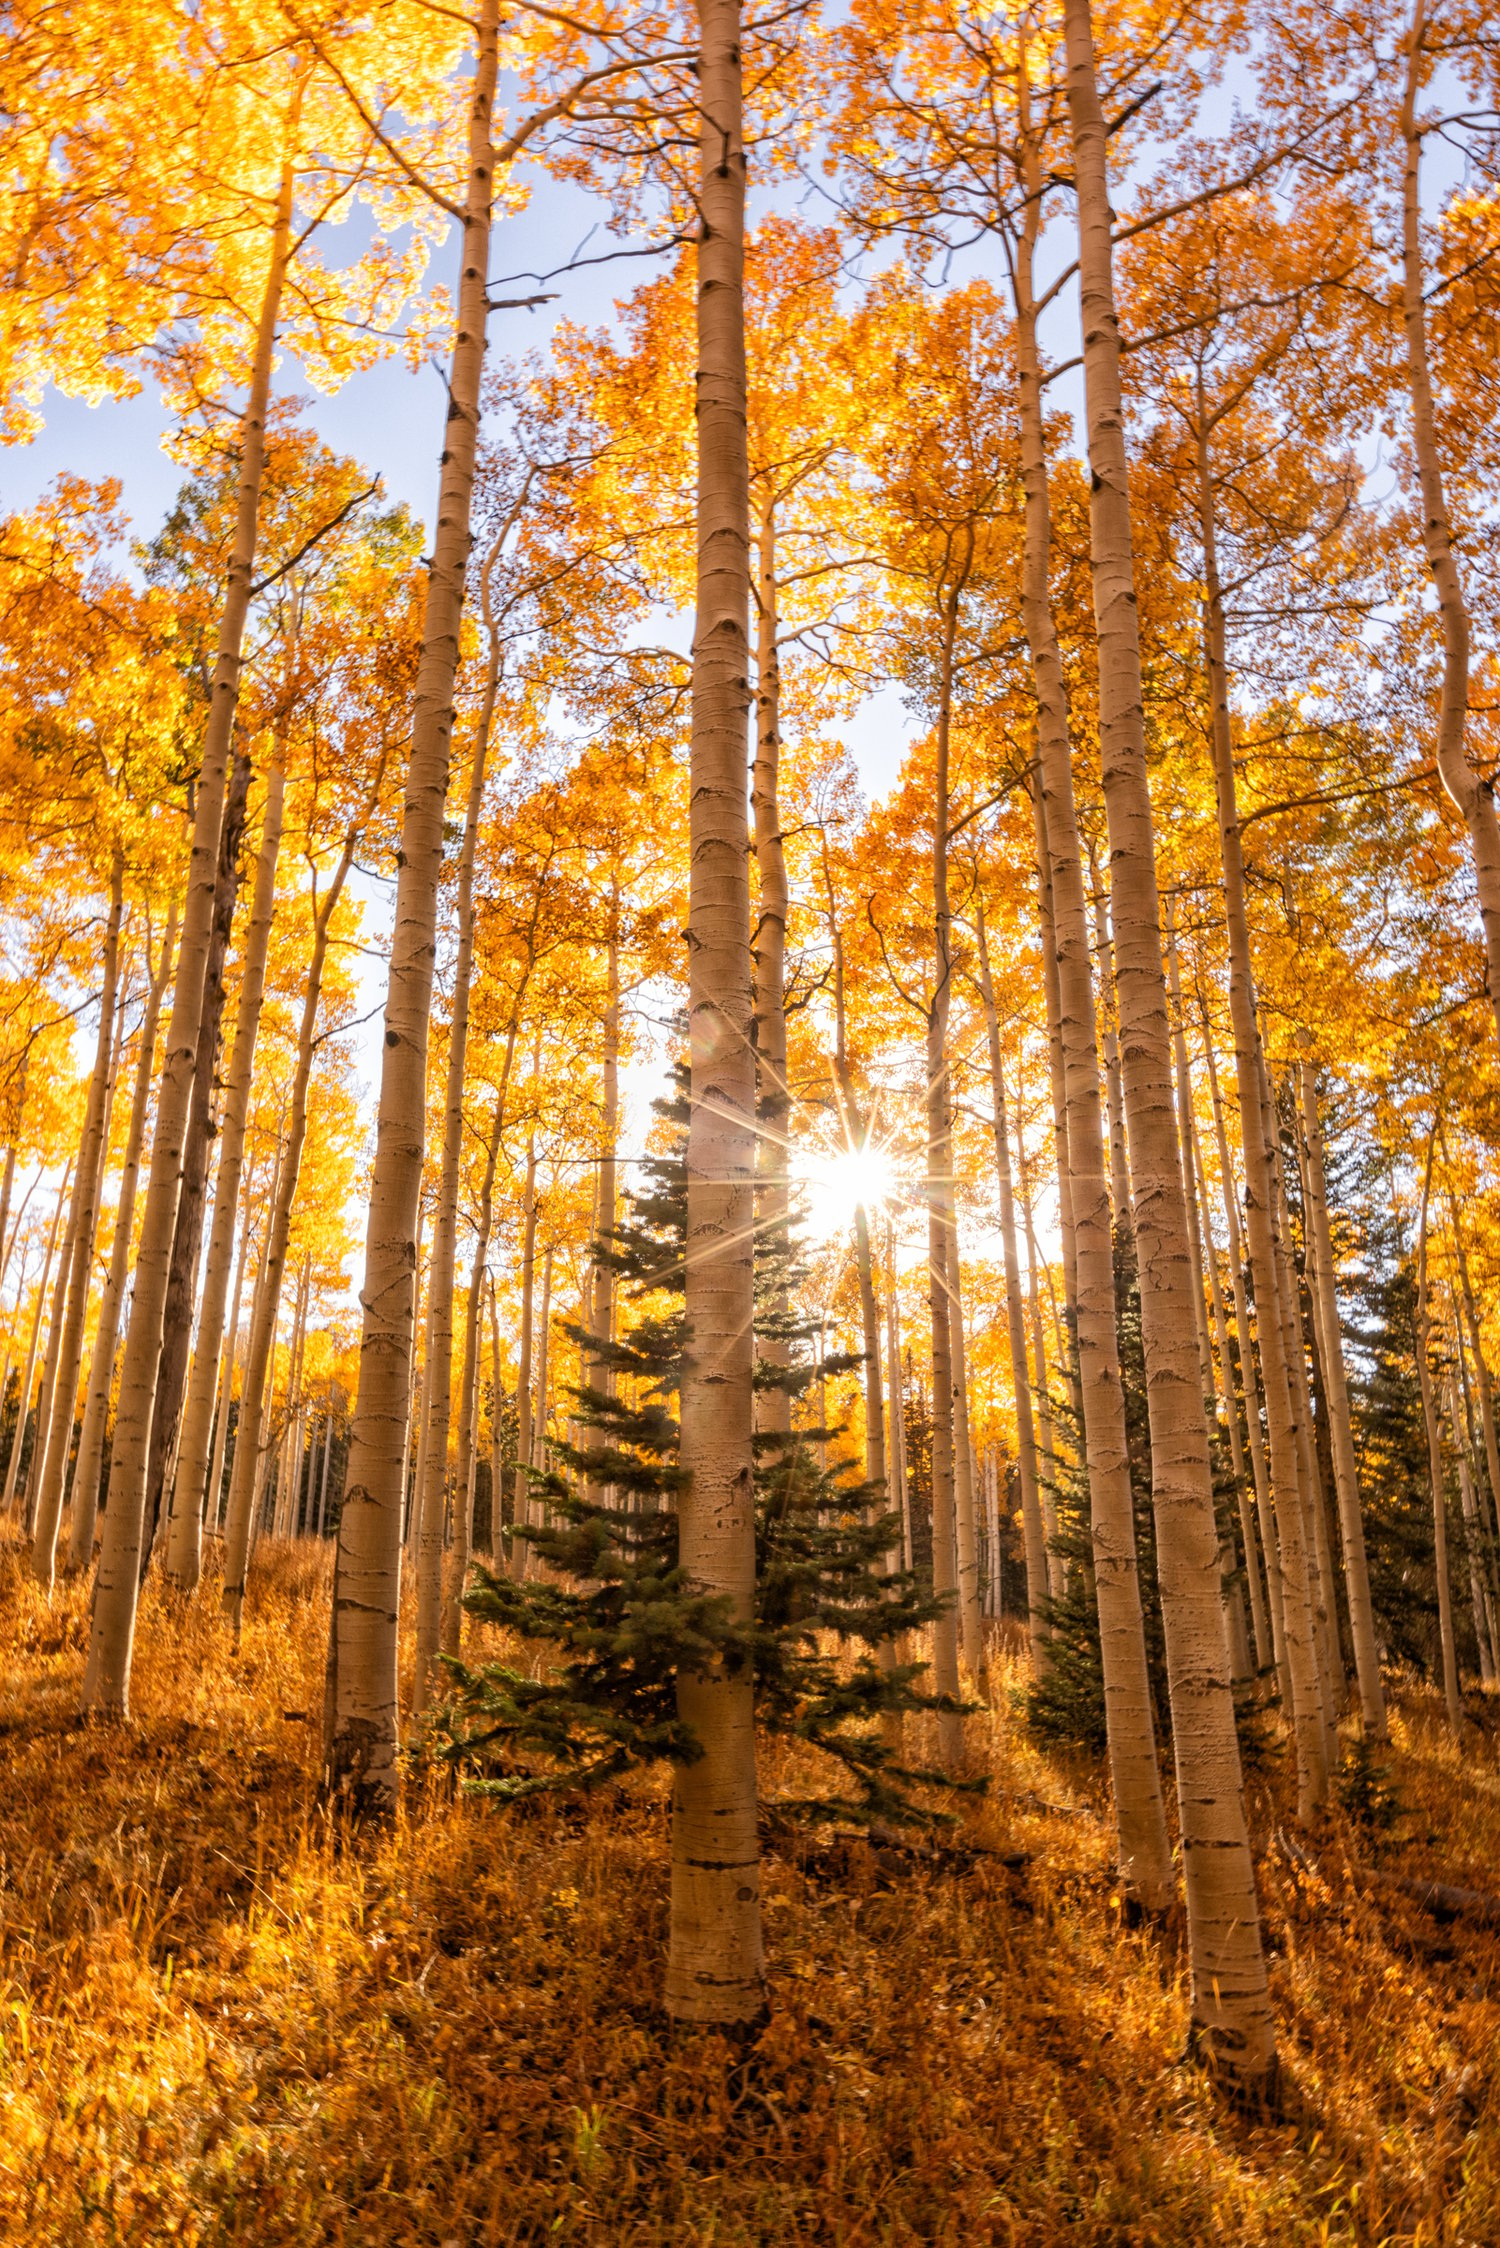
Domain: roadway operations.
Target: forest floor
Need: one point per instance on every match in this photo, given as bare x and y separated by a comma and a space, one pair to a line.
219, 2022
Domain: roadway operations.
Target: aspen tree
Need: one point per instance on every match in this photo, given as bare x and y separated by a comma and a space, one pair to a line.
456, 1566
715, 1968
23, 1408
1479, 1598
1231, 2005
52, 1476
106, 1687
773, 1405
89, 1465
184, 1543
1340, 1427
1033, 1535
1452, 1696
1473, 799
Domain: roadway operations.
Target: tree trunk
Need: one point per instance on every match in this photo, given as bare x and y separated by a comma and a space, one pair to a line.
525, 1419
1473, 798
773, 1405
87, 1473
187, 1240
106, 1688
362, 1692
184, 1545
90, 1177
260, 1349
214, 1495
965, 1488
1305, 1698
1341, 1432
1486, 1409
1034, 1536
1119, 1169
1054, 1578
432, 1494
1478, 1589
897, 1450
456, 1572
23, 1401
1451, 1693
715, 1965
36, 1466
1145, 1854
1231, 2004
1056, 1067
940, 1228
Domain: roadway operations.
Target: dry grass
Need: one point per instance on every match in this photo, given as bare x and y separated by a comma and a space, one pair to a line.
218, 2025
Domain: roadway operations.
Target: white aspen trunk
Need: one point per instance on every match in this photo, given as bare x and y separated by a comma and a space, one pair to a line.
540, 1419
106, 1687
7, 1239
941, 1227
456, 1573
715, 1964
414, 1472
857, 1138
525, 1418
898, 1468
1033, 1534
1340, 1425
965, 1490
260, 1349
284, 1513
328, 1425
1234, 1605
363, 1689
51, 1481
1486, 1415
1088, 1241
1056, 1068
1477, 1590
433, 1489
36, 1466
1296, 1562
215, 1492
23, 1402
1320, 1586
87, 1473
1053, 1578
1119, 1168
1231, 2004
1451, 1694
1473, 798
1265, 1513
184, 1549
772, 1405
497, 1462
601, 1320
1260, 1615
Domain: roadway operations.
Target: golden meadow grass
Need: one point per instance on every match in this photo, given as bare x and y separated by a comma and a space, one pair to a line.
224, 2022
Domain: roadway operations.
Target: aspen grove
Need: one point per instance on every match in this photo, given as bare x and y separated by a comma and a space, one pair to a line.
750, 1165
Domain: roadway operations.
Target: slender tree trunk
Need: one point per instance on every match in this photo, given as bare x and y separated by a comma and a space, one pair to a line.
53, 1476
106, 1688
1305, 1699
715, 1966
1054, 1579
260, 1349
940, 1225
36, 1466
1119, 1170
1478, 1589
965, 1489
1033, 1533
184, 1548
362, 1695
773, 1405
1451, 1693
1145, 1855
456, 1574
432, 1494
86, 1474
328, 1423
1472, 797
187, 1240
497, 1440
897, 1453
601, 1321
525, 1422
214, 1496
23, 1402
1341, 1432
1231, 2004
1056, 1066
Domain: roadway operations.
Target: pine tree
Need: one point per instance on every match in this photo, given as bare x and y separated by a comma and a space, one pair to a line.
616, 1608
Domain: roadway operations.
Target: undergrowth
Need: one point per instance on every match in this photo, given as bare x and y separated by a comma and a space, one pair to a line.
224, 2022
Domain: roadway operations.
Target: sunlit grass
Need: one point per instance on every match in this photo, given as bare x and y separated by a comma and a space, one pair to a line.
223, 2022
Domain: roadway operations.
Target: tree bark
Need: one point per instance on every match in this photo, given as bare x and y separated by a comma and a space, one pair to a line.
715, 1965
106, 1687
965, 1487
1341, 1431
1033, 1533
23, 1403
1451, 1694
239, 1520
362, 1690
1297, 1624
1479, 1599
1473, 798
214, 1495
187, 1239
432, 1496
87, 1473
52, 1478
1231, 2004
460, 1551
184, 1546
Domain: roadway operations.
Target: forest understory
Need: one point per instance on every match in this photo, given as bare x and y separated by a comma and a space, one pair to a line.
224, 2021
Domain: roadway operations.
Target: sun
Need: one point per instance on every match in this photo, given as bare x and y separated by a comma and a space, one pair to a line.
837, 1181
